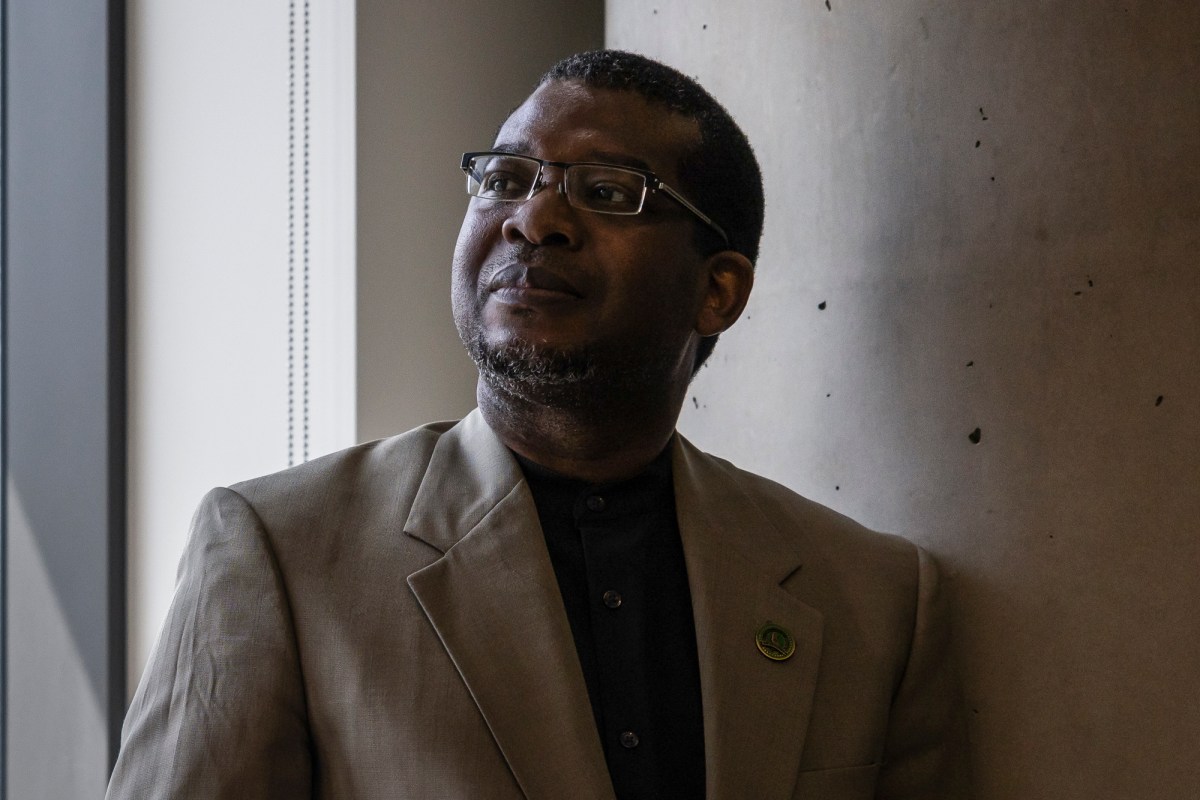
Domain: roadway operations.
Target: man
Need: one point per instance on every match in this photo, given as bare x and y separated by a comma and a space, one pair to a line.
558, 596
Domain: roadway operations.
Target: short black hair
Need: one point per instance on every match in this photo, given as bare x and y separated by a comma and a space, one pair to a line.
721, 176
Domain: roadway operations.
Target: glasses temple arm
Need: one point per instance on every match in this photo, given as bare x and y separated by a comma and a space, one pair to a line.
683, 201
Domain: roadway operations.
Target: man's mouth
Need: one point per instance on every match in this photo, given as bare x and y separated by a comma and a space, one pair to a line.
525, 283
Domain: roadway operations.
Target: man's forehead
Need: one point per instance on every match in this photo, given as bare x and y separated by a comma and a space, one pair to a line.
592, 123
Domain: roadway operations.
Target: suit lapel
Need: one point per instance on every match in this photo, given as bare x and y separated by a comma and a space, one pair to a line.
494, 602
755, 710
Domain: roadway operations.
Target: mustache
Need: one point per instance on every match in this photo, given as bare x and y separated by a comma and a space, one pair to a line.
532, 267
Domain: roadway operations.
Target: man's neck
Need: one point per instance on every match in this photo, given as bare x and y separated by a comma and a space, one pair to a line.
600, 442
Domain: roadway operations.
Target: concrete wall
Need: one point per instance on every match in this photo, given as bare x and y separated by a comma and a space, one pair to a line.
434, 80
983, 219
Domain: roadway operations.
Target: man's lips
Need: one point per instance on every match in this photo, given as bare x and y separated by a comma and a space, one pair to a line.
523, 283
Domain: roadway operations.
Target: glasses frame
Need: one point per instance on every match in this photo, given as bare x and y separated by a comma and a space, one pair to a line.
652, 184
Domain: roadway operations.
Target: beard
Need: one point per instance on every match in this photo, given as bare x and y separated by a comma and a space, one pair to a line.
570, 379
534, 373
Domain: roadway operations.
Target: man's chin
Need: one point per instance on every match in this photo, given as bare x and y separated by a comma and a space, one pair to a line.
522, 367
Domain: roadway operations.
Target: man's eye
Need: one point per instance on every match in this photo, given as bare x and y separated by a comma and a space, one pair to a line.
609, 193
502, 185
496, 183
612, 195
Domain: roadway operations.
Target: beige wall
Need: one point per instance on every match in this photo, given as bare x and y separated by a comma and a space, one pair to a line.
434, 80
998, 205
212, 225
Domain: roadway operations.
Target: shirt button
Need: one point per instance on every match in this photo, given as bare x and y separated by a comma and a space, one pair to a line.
629, 740
612, 599
595, 503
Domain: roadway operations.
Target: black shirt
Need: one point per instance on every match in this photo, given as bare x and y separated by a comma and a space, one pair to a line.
619, 563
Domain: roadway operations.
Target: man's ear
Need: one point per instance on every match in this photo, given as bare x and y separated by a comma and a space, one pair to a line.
730, 278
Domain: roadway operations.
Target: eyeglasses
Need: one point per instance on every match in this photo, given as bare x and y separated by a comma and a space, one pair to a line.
603, 188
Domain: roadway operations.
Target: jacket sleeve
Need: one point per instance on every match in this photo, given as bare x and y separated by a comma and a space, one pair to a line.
220, 711
925, 755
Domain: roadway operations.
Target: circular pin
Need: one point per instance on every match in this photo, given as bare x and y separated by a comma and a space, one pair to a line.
775, 642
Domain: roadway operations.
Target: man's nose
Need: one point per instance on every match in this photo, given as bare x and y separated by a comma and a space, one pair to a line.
547, 218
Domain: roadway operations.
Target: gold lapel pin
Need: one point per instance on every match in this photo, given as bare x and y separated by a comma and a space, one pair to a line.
775, 642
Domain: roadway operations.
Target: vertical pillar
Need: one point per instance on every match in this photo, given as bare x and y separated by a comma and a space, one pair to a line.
977, 323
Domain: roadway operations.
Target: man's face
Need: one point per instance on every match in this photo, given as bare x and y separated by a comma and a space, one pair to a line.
547, 291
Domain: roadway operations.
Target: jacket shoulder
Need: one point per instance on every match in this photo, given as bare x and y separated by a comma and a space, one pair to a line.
348, 487
800, 518
836, 550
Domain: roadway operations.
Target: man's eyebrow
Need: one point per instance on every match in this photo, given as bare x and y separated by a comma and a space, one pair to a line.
522, 148
620, 159
516, 148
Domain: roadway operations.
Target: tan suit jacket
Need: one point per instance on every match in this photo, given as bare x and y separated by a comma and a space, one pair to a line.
385, 622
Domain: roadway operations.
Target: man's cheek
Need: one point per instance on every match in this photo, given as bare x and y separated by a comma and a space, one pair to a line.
474, 239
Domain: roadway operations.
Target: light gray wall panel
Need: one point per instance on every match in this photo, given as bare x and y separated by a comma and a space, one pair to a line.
64, 396
998, 206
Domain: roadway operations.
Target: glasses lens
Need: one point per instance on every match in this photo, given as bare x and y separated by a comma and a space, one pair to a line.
501, 177
609, 190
